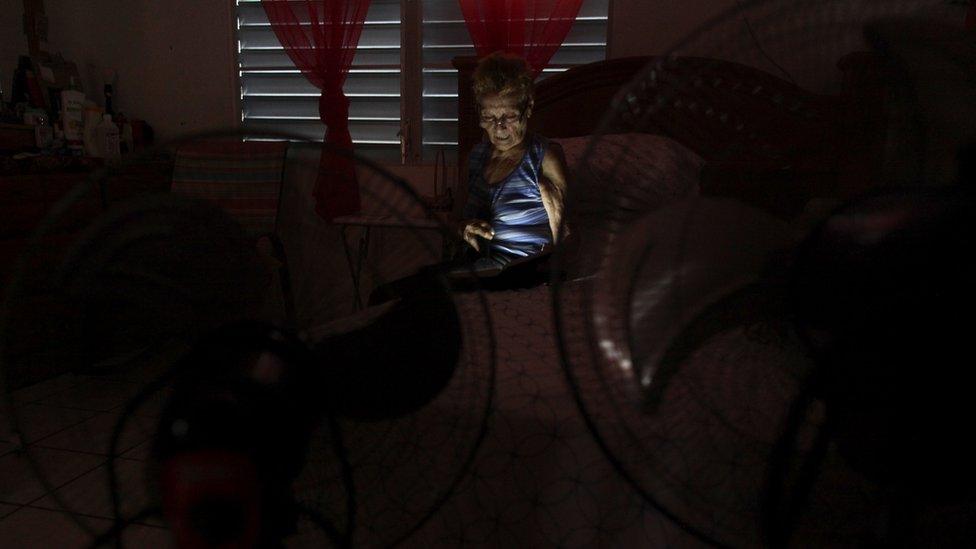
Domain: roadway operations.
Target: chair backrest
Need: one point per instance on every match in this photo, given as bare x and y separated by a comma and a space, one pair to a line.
243, 178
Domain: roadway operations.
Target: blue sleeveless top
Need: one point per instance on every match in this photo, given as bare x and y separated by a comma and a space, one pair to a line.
513, 206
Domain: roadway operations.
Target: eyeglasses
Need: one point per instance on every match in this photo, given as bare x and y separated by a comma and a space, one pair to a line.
508, 119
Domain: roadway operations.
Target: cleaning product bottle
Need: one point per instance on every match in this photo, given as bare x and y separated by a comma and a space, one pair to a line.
107, 136
73, 119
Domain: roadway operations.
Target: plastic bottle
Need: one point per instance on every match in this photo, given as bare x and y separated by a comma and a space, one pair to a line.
107, 135
73, 119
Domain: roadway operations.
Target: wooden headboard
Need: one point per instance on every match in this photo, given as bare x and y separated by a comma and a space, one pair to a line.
764, 139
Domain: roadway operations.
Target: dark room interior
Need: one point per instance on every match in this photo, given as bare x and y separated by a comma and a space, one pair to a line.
487, 273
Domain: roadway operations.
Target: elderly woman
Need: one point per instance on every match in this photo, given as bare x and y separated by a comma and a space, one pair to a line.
516, 186
517, 180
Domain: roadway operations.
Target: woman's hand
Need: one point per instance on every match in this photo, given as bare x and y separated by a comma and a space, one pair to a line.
473, 228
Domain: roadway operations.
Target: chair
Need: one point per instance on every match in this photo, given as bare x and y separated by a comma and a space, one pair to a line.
244, 178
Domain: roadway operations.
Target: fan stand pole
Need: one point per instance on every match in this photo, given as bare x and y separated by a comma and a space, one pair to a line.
784, 501
355, 266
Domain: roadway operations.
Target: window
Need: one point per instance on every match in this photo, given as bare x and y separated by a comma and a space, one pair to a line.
401, 77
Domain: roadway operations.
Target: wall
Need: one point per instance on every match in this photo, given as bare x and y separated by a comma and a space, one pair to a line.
155, 47
794, 39
14, 42
172, 62
650, 27
785, 34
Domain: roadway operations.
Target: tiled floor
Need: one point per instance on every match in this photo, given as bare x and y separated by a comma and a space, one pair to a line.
32, 527
6, 509
63, 434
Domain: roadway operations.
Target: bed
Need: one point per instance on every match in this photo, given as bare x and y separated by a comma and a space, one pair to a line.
763, 140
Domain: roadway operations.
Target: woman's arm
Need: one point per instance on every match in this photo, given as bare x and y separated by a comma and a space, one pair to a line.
552, 186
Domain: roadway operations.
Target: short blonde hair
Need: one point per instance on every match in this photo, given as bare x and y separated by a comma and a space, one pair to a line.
503, 74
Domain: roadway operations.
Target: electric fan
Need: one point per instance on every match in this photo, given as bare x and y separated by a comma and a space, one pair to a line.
199, 408
756, 382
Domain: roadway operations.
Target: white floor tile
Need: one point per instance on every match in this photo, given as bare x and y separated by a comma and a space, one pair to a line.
18, 482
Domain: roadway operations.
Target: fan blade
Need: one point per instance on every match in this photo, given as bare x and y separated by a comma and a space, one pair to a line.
673, 264
398, 361
155, 269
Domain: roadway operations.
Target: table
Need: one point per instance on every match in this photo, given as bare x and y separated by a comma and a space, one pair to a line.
367, 222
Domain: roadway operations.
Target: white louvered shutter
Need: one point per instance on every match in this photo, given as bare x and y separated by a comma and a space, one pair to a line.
275, 96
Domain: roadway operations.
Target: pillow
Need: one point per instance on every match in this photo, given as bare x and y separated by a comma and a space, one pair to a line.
618, 180
653, 169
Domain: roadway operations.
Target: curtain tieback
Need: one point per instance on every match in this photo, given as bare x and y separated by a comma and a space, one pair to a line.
334, 111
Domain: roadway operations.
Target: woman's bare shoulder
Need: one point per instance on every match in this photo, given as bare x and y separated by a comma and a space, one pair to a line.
554, 159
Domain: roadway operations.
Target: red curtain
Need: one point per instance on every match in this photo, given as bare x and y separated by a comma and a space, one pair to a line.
320, 37
533, 29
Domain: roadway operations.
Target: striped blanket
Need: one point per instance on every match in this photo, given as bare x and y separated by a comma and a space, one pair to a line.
243, 178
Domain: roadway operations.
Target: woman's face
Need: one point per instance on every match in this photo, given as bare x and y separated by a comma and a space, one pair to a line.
502, 120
